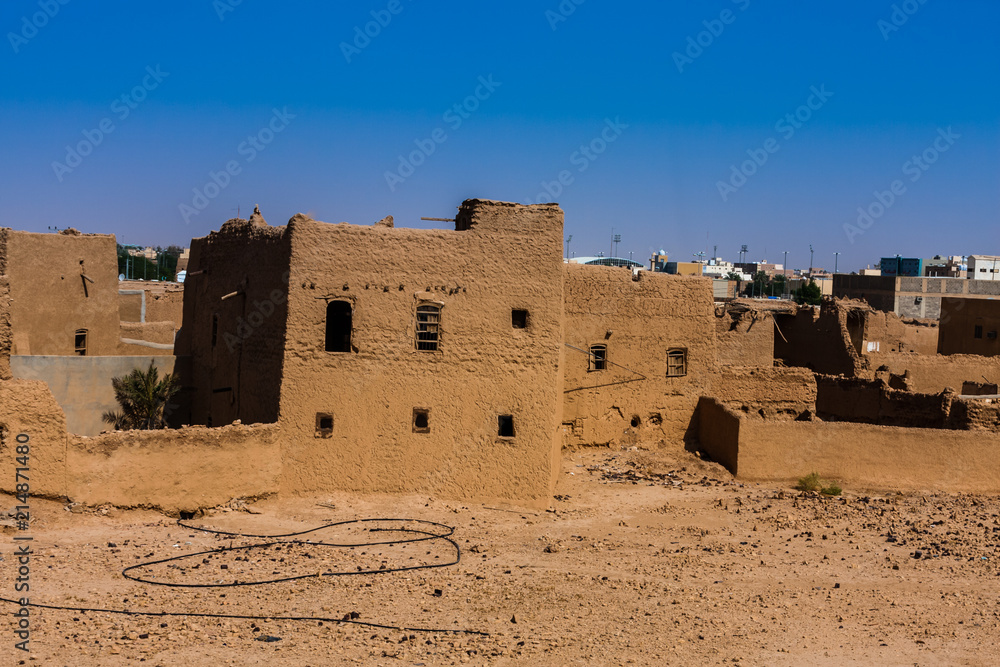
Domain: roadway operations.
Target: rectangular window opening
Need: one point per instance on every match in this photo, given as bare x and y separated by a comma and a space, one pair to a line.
338, 326
421, 420
598, 357
519, 319
505, 425
676, 362
80, 342
992, 335
428, 327
978, 332
215, 329
324, 425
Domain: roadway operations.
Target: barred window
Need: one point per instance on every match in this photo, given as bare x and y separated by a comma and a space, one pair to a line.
80, 342
428, 327
676, 362
598, 357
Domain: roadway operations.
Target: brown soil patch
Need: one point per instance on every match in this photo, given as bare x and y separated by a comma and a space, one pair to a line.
644, 559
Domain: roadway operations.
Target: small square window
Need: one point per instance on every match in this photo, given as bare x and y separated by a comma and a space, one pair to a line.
505, 425
519, 319
676, 362
421, 420
598, 357
978, 331
992, 335
324, 425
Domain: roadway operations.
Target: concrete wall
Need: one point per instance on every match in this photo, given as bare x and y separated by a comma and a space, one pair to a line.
500, 257
921, 297
82, 385
50, 300
878, 291
633, 399
962, 319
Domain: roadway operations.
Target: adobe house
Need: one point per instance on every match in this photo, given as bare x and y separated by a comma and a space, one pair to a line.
969, 326
436, 372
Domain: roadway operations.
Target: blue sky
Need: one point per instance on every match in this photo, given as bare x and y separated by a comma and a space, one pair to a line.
643, 110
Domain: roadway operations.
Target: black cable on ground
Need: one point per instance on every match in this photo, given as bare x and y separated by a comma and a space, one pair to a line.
418, 536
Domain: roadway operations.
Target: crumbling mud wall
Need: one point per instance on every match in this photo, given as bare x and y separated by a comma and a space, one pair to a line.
27, 407
82, 385
861, 456
933, 374
772, 393
235, 311
60, 284
890, 333
375, 413
174, 470
827, 340
744, 337
874, 402
637, 396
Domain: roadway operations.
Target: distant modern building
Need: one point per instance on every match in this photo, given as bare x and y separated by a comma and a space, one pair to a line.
606, 261
946, 267
684, 268
984, 267
911, 297
658, 262
909, 267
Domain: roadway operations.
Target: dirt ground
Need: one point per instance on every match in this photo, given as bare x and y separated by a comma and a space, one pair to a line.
644, 558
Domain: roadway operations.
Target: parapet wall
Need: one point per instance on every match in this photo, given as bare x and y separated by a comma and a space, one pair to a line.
782, 393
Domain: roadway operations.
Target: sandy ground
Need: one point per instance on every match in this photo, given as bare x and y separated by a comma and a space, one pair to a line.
645, 559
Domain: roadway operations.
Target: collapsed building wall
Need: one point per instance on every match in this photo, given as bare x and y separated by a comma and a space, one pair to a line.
744, 336
874, 402
890, 333
438, 372
640, 351
235, 312
827, 340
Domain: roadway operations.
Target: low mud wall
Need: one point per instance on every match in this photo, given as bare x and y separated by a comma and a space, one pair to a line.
861, 456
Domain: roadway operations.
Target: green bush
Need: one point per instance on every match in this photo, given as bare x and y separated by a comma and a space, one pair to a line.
832, 490
810, 482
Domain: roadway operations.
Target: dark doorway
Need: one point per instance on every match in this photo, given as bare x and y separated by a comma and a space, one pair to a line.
338, 326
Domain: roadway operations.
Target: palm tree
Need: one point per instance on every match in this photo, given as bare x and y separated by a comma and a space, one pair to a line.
143, 397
